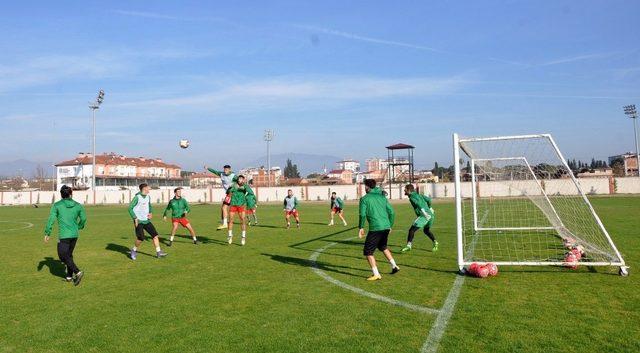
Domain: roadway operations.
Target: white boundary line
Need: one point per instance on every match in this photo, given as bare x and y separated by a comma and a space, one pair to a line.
432, 342
413, 307
28, 225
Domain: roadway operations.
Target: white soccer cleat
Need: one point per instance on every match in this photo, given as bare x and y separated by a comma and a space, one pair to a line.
230, 240
243, 241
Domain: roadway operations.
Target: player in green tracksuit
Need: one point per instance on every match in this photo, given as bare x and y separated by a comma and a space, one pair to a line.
251, 209
376, 209
238, 200
71, 218
179, 207
337, 207
422, 207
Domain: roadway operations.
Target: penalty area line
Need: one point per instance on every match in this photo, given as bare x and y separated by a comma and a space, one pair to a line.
315, 268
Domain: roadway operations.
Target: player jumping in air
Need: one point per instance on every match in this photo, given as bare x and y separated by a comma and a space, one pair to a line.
337, 207
71, 217
141, 212
238, 193
227, 178
422, 207
179, 208
251, 209
291, 209
376, 209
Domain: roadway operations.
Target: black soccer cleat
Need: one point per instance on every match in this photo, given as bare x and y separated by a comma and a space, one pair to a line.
170, 243
395, 270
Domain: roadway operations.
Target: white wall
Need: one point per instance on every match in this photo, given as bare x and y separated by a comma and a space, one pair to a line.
629, 185
594, 186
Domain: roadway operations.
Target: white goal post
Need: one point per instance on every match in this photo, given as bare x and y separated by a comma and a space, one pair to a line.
518, 203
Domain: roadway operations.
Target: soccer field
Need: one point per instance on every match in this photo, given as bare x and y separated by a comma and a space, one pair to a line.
303, 290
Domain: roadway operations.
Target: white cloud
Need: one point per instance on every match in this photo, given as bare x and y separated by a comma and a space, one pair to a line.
368, 39
53, 68
306, 92
575, 58
147, 15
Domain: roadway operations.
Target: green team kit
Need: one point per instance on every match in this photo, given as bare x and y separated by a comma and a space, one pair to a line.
422, 207
178, 207
425, 217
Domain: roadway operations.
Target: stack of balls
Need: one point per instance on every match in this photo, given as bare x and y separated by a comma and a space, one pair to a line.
574, 254
483, 271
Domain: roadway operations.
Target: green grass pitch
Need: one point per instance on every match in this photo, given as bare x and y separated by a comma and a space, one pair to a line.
265, 297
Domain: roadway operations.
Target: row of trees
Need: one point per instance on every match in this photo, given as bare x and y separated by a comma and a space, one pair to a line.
580, 165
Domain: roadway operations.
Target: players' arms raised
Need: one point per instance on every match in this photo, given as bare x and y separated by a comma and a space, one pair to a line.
220, 173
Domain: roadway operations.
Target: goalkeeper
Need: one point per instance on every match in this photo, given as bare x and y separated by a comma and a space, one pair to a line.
422, 207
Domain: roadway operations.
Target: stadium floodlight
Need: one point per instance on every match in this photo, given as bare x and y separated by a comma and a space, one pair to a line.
519, 204
95, 105
630, 111
268, 137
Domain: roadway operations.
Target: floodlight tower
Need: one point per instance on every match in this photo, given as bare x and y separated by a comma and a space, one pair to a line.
630, 110
95, 105
268, 137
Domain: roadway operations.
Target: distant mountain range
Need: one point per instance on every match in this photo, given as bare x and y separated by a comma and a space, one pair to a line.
307, 163
24, 168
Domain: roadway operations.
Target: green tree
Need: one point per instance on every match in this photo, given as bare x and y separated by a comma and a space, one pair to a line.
291, 170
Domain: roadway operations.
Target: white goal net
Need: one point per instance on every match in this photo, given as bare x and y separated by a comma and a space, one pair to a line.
518, 203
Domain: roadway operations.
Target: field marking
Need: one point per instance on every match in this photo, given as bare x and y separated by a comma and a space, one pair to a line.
432, 343
413, 307
438, 329
27, 226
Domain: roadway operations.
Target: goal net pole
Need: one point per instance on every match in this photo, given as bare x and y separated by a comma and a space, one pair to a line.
458, 192
586, 200
539, 198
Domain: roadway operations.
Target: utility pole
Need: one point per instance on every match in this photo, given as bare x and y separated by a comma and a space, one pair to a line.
268, 137
94, 106
630, 110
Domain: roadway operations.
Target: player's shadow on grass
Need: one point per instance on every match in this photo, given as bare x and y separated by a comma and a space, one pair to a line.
266, 226
56, 267
317, 223
206, 240
321, 265
295, 246
123, 250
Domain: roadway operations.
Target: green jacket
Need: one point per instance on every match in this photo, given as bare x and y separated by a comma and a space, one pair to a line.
239, 194
420, 203
178, 207
337, 202
251, 201
376, 209
71, 217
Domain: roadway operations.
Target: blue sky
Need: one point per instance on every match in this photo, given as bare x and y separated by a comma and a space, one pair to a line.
330, 77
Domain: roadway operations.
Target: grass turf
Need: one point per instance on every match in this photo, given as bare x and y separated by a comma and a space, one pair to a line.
264, 297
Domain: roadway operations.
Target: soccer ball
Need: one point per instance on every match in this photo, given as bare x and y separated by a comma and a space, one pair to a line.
571, 260
576, 252
569, 242
184, 143
473, 269
493, 269
483, 271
